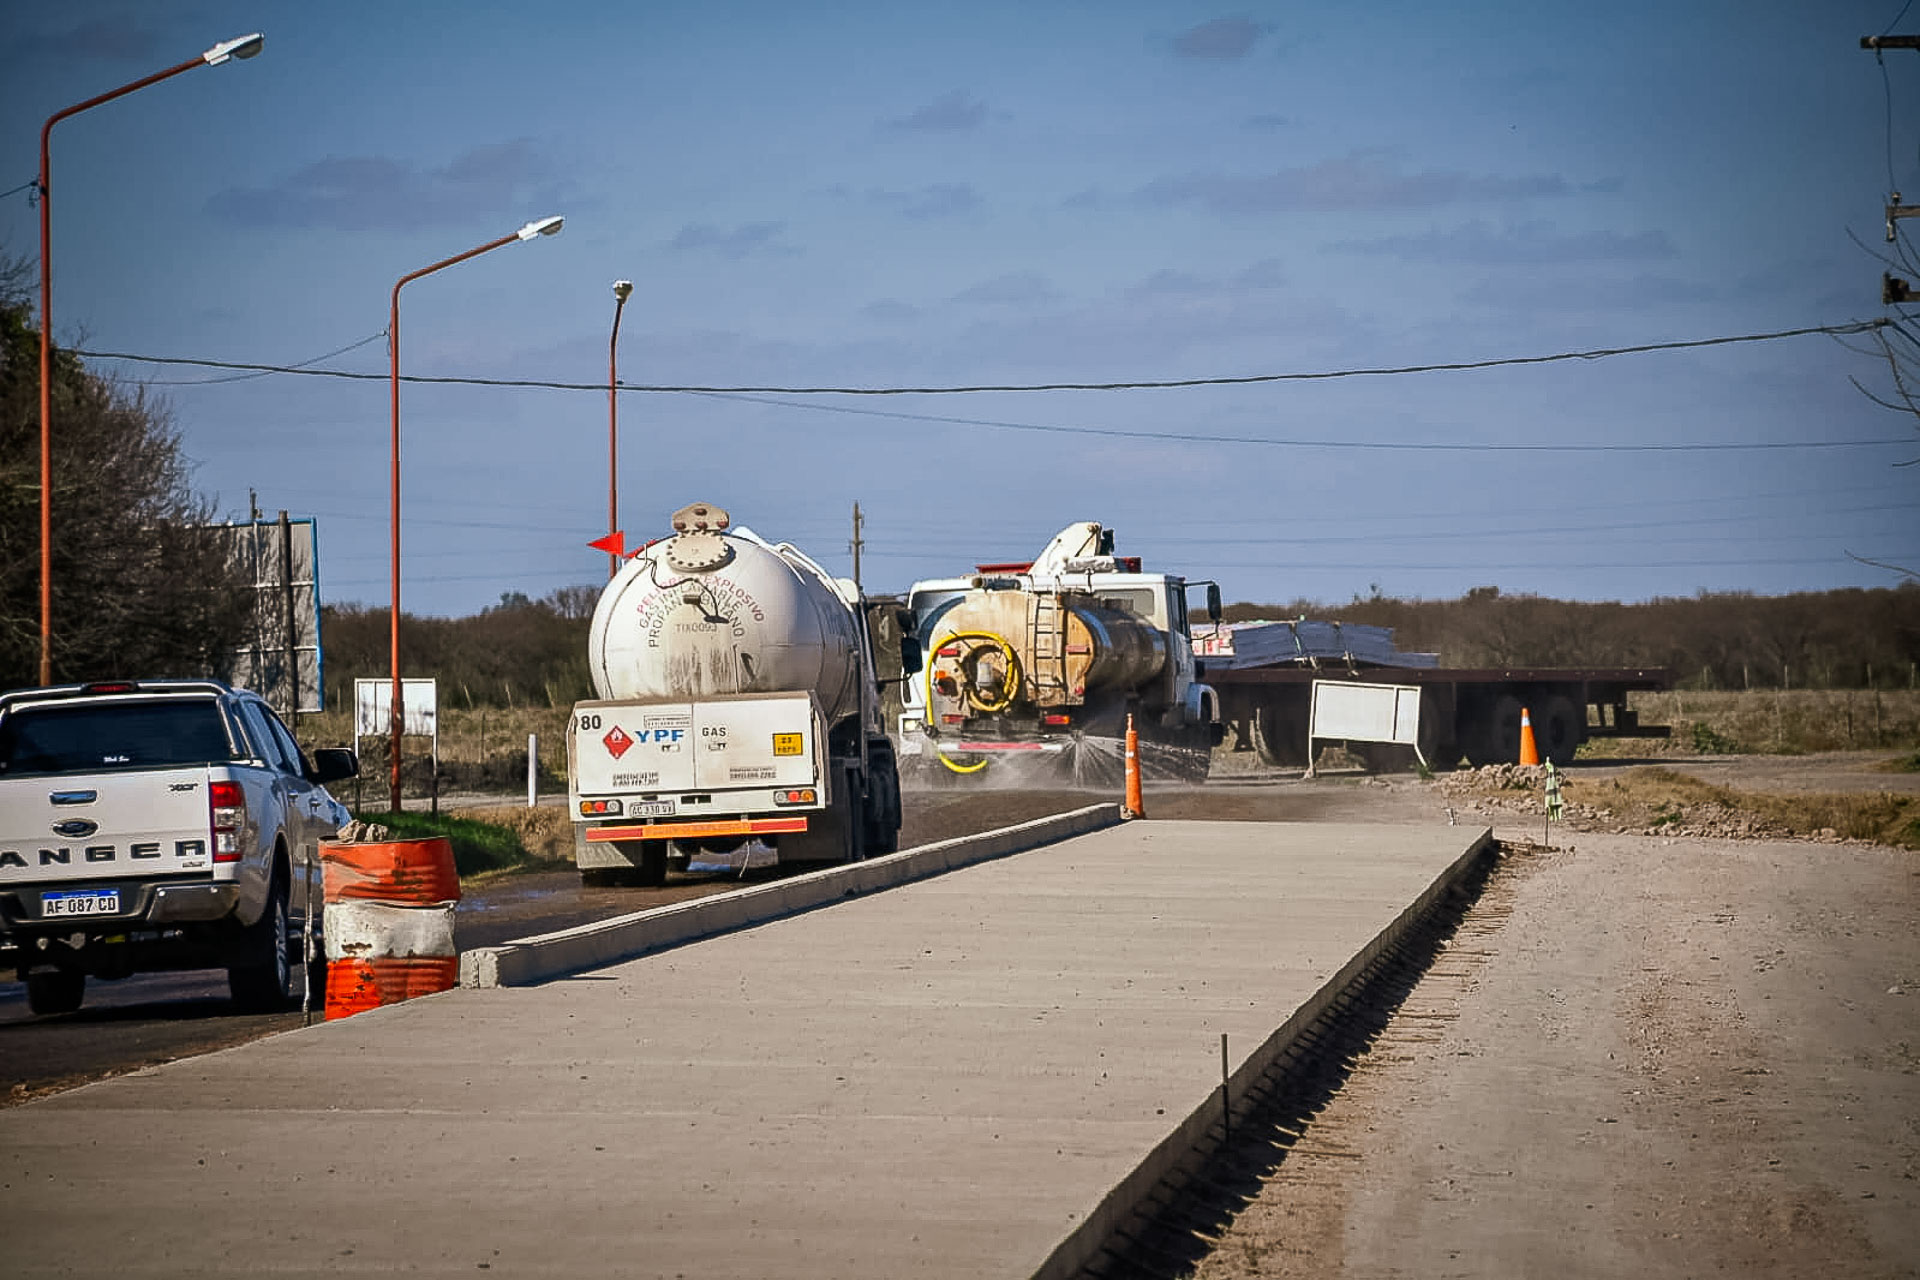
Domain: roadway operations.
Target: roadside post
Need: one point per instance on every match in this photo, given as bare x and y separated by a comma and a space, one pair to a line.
1555, 809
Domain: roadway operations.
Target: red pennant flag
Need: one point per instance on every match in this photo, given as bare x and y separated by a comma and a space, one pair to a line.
614, 544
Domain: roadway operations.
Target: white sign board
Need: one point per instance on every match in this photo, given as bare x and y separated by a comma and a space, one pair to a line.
373, 708
1352, 712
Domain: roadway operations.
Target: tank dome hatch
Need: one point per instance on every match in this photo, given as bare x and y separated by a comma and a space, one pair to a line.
696, 545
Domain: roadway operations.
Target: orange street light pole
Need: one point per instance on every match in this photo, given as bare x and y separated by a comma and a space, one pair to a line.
544, 227
244, 47
621, 290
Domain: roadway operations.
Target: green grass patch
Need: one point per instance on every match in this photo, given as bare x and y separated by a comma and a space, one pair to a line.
1709, 741
478, 847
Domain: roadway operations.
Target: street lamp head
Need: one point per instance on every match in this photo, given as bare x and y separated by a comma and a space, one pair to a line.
244, 47
622, 289
544, 227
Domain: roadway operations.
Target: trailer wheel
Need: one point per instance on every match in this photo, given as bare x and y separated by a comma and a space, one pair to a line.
55, 990
1280, 739
1559, 730
1493, 736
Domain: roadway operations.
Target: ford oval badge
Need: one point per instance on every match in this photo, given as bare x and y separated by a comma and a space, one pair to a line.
76, 828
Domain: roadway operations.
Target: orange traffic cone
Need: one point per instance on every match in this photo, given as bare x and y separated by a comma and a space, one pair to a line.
1529, 750
1133, 808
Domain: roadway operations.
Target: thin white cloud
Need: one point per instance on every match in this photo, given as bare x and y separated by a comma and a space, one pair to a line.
935, 200
1358, 181
359, 193
954, 111
1016, 288
734, 242
1221, 40
1524, 243
115, 39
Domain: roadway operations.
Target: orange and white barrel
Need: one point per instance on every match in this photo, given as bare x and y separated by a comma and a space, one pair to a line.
389, 922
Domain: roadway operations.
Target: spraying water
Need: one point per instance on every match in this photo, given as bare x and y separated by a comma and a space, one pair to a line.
1084, 762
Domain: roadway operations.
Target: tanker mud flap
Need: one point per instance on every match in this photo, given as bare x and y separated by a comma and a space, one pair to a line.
833, 834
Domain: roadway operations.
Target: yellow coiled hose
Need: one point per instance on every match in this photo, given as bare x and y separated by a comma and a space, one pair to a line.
981, 642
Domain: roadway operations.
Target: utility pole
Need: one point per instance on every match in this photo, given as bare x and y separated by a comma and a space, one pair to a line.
1893, 290
292, 636
858, 542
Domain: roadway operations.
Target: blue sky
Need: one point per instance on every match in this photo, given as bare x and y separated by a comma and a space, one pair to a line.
933, 195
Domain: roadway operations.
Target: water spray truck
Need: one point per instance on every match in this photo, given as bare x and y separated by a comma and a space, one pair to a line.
1046, 660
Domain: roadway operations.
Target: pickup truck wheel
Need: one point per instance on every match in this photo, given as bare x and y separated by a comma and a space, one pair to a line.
260, 972
55, 990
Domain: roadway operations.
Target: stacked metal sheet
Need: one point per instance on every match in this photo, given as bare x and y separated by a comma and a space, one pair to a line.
1304, 642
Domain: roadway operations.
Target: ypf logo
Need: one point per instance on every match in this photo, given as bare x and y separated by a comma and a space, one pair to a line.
617, 742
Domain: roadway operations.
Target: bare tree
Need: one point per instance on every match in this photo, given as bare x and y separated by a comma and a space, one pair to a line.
141, 584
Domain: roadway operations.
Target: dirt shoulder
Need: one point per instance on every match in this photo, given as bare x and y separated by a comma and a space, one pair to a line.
1642, 1055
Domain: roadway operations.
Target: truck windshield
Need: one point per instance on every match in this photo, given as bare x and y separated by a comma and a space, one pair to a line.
90, 737
1135, 600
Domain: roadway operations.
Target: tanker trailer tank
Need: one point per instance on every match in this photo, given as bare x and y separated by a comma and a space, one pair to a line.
707, 613
737, 702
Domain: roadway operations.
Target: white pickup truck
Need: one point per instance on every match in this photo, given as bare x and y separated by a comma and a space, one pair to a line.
159, 824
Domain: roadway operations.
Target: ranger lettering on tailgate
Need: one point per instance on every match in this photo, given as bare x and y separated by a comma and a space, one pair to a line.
191, 855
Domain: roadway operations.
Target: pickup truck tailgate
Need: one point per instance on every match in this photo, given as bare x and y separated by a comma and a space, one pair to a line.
101, 826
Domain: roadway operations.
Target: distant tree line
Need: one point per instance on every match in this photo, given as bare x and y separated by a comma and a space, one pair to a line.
516, 653
523, 652
1852, 638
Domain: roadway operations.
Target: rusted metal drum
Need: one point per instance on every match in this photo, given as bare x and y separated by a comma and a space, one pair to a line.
389, 922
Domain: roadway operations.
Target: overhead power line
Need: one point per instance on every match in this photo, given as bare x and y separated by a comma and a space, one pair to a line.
1412, 446
303, 367
757, 395
1596, 353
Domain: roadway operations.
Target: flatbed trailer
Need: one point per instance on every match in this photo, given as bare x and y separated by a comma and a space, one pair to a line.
1473, 713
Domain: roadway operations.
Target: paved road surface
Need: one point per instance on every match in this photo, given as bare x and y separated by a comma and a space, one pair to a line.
944, 1078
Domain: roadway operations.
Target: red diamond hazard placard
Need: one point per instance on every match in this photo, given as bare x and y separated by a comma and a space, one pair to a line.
617, 742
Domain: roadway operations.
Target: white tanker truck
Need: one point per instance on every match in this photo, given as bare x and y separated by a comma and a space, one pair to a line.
738, 701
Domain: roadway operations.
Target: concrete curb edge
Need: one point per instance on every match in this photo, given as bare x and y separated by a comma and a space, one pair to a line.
1194, 1134
527, 961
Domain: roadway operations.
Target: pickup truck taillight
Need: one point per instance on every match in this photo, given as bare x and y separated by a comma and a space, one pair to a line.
229, 804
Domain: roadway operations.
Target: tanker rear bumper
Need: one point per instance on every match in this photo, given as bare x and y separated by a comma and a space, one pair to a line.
717, 830
969, 746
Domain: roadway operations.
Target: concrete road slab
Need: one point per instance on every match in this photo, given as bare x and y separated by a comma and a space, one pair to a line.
951, 1077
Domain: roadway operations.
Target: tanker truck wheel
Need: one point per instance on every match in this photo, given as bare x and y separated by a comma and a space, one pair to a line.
883, 806
649, 870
